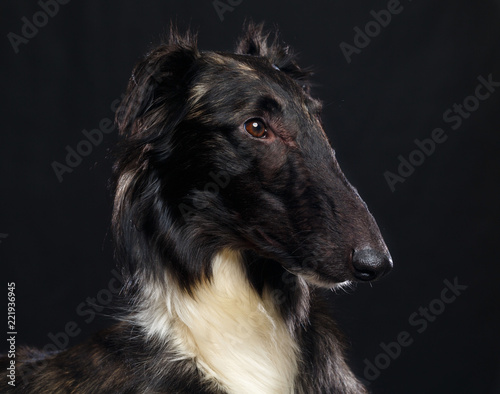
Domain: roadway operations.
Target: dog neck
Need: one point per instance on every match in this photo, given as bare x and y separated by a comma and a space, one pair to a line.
237, 337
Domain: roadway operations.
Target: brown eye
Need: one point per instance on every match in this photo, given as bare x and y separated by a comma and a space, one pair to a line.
256, 128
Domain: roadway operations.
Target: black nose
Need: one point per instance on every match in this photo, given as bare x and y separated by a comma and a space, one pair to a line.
370, 264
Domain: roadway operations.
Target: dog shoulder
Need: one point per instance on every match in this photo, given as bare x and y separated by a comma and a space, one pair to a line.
118, 359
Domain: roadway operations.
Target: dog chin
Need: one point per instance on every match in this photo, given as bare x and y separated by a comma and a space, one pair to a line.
342, 285
318, 281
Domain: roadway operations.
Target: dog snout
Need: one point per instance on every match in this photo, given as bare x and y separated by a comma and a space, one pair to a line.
369, 264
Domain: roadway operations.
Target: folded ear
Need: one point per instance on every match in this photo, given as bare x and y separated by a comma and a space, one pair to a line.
254, 42
157, 83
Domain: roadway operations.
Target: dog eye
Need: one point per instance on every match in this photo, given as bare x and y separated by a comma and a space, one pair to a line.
256, 128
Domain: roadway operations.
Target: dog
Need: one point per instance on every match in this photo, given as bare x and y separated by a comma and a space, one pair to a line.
231, 219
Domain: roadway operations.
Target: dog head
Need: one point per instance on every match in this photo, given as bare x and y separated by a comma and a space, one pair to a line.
227, 150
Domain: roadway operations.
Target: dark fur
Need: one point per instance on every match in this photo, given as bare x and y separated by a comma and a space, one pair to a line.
283, 201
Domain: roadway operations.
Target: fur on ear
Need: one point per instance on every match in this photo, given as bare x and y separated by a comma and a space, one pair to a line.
255, 42
151, 110
150, 121
160, 78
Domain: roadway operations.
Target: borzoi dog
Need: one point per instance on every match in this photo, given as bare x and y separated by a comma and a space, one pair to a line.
231, 219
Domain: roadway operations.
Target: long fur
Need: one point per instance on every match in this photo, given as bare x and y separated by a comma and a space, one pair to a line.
225, 239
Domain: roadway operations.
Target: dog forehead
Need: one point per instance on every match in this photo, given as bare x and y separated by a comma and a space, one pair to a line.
239, 76
231, 62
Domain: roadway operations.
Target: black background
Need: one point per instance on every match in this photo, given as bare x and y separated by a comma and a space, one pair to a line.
441, 223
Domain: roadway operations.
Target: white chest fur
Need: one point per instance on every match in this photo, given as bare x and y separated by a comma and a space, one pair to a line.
237, 338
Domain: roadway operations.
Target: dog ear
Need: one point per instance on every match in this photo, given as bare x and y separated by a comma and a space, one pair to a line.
157, 82
254, 42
